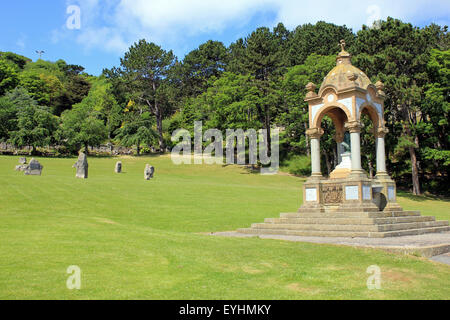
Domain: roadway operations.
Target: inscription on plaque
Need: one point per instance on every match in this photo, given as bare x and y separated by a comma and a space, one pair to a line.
351, 193
367, 190
311, 194
391, 193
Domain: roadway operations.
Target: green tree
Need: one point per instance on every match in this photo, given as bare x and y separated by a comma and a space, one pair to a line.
398, 53
137, 130
229, 103
321, 38
82, 126
18, 60
262, 60
147, 70
8, 76
8, 117
101, 99
75, 87
435, 146
208, 60
293, 110
35, 125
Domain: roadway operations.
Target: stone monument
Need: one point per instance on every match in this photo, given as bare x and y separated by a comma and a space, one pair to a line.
22, 164
118, 168
82, 166
348, 203
34, 168
148, 172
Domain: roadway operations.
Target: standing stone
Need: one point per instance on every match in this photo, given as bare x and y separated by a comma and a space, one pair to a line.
118, 168
149, 171
82, 166
34, 168
23, 164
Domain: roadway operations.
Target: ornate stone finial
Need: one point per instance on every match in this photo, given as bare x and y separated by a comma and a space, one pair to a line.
311, 87
342, 44
343, 57
380, 88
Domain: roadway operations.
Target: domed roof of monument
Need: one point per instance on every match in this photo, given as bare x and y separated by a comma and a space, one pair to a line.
345, 75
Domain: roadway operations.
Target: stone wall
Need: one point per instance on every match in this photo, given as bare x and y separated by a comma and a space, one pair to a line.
112, 150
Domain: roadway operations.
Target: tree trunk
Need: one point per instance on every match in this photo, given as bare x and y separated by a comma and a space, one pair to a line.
414, 171
86, 149
414, 164
138, 148
162, 145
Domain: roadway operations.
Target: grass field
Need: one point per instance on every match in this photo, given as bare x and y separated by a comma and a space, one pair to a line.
137, 239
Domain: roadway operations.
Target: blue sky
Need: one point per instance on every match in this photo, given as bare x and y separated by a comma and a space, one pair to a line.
108, 27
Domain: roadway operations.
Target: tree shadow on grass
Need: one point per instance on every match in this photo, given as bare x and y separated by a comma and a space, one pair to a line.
421, 198
249, 169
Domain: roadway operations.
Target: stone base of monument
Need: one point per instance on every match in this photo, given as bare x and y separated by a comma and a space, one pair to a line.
349, 224
353, 207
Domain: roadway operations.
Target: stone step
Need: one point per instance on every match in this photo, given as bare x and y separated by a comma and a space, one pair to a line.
358, 221
306, 233
351, 227
413, 225
413, 232
315, 227
339, 214
352, 234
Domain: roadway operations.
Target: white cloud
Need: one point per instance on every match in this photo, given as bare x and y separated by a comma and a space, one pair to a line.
113, 25
193, 16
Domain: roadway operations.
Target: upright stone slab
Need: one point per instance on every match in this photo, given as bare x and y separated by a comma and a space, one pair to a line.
22, 164
149, 171
34, 168
118, 168
82, 166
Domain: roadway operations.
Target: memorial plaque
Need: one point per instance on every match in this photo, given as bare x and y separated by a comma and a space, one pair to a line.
351, 193
367, 191
391, 193
311, 194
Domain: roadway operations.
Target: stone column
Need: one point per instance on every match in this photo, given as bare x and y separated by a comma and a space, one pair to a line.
355, 130
315, 134
381, 151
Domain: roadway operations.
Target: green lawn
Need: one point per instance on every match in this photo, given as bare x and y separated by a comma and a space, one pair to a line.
137, 239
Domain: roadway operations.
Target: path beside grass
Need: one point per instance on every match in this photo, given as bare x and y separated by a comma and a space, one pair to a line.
137, 239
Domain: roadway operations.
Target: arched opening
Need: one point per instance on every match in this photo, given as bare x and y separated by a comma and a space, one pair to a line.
332, 121
370, 123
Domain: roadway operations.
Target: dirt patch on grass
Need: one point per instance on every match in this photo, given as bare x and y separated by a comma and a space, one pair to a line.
299, 288
251, 270
104, 220
397, 278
